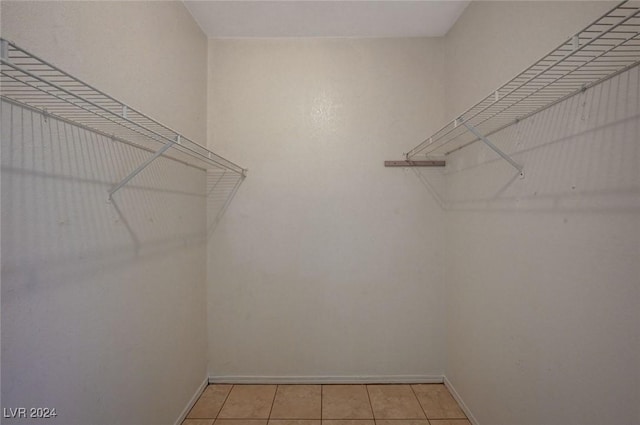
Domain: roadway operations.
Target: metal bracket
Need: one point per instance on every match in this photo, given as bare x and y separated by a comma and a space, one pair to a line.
487, 142
4, 50
412, 163
144, 165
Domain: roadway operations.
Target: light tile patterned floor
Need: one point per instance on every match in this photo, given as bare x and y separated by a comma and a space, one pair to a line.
420, 404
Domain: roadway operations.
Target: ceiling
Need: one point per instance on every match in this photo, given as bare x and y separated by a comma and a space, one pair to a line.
363, 18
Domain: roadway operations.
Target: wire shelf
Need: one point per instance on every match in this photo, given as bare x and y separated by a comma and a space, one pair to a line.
605, 48
30, 81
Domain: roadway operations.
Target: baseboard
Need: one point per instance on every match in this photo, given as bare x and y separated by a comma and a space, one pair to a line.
193, 400
360, 379
464, 407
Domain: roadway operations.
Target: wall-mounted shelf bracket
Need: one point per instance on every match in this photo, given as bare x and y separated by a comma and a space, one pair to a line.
411, 163
497, 150
144, 165
608, 46
4, 50
31, 82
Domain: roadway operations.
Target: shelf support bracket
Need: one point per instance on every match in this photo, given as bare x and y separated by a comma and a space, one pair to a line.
412, 163
144, 165
4, 50
487, 142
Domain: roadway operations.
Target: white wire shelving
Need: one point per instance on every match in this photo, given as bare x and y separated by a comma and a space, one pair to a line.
605, 48
34, 83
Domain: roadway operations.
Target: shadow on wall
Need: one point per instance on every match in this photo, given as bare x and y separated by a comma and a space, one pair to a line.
57, 221
222, 186
581, 155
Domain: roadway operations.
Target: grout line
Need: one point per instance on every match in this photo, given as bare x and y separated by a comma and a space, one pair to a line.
419, 403
224, 402
321, 391
366, 387
273, 402
379, 419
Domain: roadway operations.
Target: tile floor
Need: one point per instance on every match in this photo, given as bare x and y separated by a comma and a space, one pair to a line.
420, 404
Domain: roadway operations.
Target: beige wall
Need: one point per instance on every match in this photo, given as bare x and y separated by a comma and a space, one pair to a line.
493, 41
150, 56
543, 281
327, 265
103, 305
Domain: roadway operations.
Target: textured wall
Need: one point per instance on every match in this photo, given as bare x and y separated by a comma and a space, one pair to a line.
327, 264
103, 305
543, 281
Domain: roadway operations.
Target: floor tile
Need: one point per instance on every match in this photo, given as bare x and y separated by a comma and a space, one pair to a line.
345, 402
294, 422
402, 422
297, 402
348, 422
241, 422
248, 402
210, 402
197, 422
449, 422
394, 402
437, 402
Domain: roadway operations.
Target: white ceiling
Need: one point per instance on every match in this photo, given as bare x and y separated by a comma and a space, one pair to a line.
363, 18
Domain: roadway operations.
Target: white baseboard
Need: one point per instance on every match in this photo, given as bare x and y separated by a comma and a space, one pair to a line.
463, 406
360, 379
193, 400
